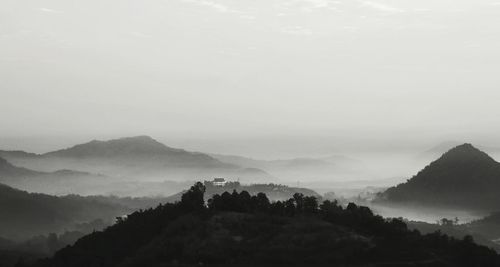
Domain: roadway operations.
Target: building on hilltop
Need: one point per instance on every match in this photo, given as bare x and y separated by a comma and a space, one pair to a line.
219, 182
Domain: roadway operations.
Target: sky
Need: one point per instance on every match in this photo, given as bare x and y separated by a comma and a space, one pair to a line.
255, 77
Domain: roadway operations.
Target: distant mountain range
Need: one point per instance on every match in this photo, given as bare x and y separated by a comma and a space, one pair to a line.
303, 169
55, 183
128, 159
463, 177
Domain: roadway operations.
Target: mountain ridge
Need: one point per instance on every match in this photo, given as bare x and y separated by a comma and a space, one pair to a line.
134, 158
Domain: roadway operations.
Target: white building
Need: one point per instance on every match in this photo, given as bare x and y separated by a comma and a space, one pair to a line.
219, 182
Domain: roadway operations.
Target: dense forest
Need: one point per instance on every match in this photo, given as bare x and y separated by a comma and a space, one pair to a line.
239, 229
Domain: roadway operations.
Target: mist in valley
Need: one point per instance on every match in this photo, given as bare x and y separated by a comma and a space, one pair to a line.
139, 125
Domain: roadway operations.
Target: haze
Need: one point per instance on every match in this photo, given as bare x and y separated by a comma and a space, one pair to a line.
261, 78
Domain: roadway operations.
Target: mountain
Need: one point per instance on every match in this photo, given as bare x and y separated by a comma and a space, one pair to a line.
463, 177
136, 148
443, 147
242, 230
438, 150
139, 158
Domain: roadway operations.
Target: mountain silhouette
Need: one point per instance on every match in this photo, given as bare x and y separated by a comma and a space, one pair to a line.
134, 158
462, 177
139, 146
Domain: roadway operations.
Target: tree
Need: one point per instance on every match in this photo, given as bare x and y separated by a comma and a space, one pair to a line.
299, 201
290, 207
193, 199
446, 222
310, 204
262, 202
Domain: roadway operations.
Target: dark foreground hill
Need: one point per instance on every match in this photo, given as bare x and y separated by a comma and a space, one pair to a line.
463, 177
242, 230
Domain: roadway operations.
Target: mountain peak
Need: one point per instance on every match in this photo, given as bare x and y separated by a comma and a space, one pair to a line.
139, 138
466, 153
121, 146
462, 177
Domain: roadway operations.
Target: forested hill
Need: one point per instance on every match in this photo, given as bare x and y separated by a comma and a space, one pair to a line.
23, 214
242, 230
463, 177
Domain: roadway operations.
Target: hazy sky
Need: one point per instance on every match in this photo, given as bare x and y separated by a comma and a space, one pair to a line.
342, 71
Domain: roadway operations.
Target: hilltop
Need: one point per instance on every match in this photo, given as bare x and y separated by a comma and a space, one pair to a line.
273, 191
463, 177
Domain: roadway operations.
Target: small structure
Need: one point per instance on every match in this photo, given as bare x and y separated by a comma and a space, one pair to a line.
219, 182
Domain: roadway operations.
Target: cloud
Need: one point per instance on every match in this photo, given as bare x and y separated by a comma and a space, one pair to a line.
49, 10
140, 35
248, 17
297, 30
214, 5
318, 4
381, 7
